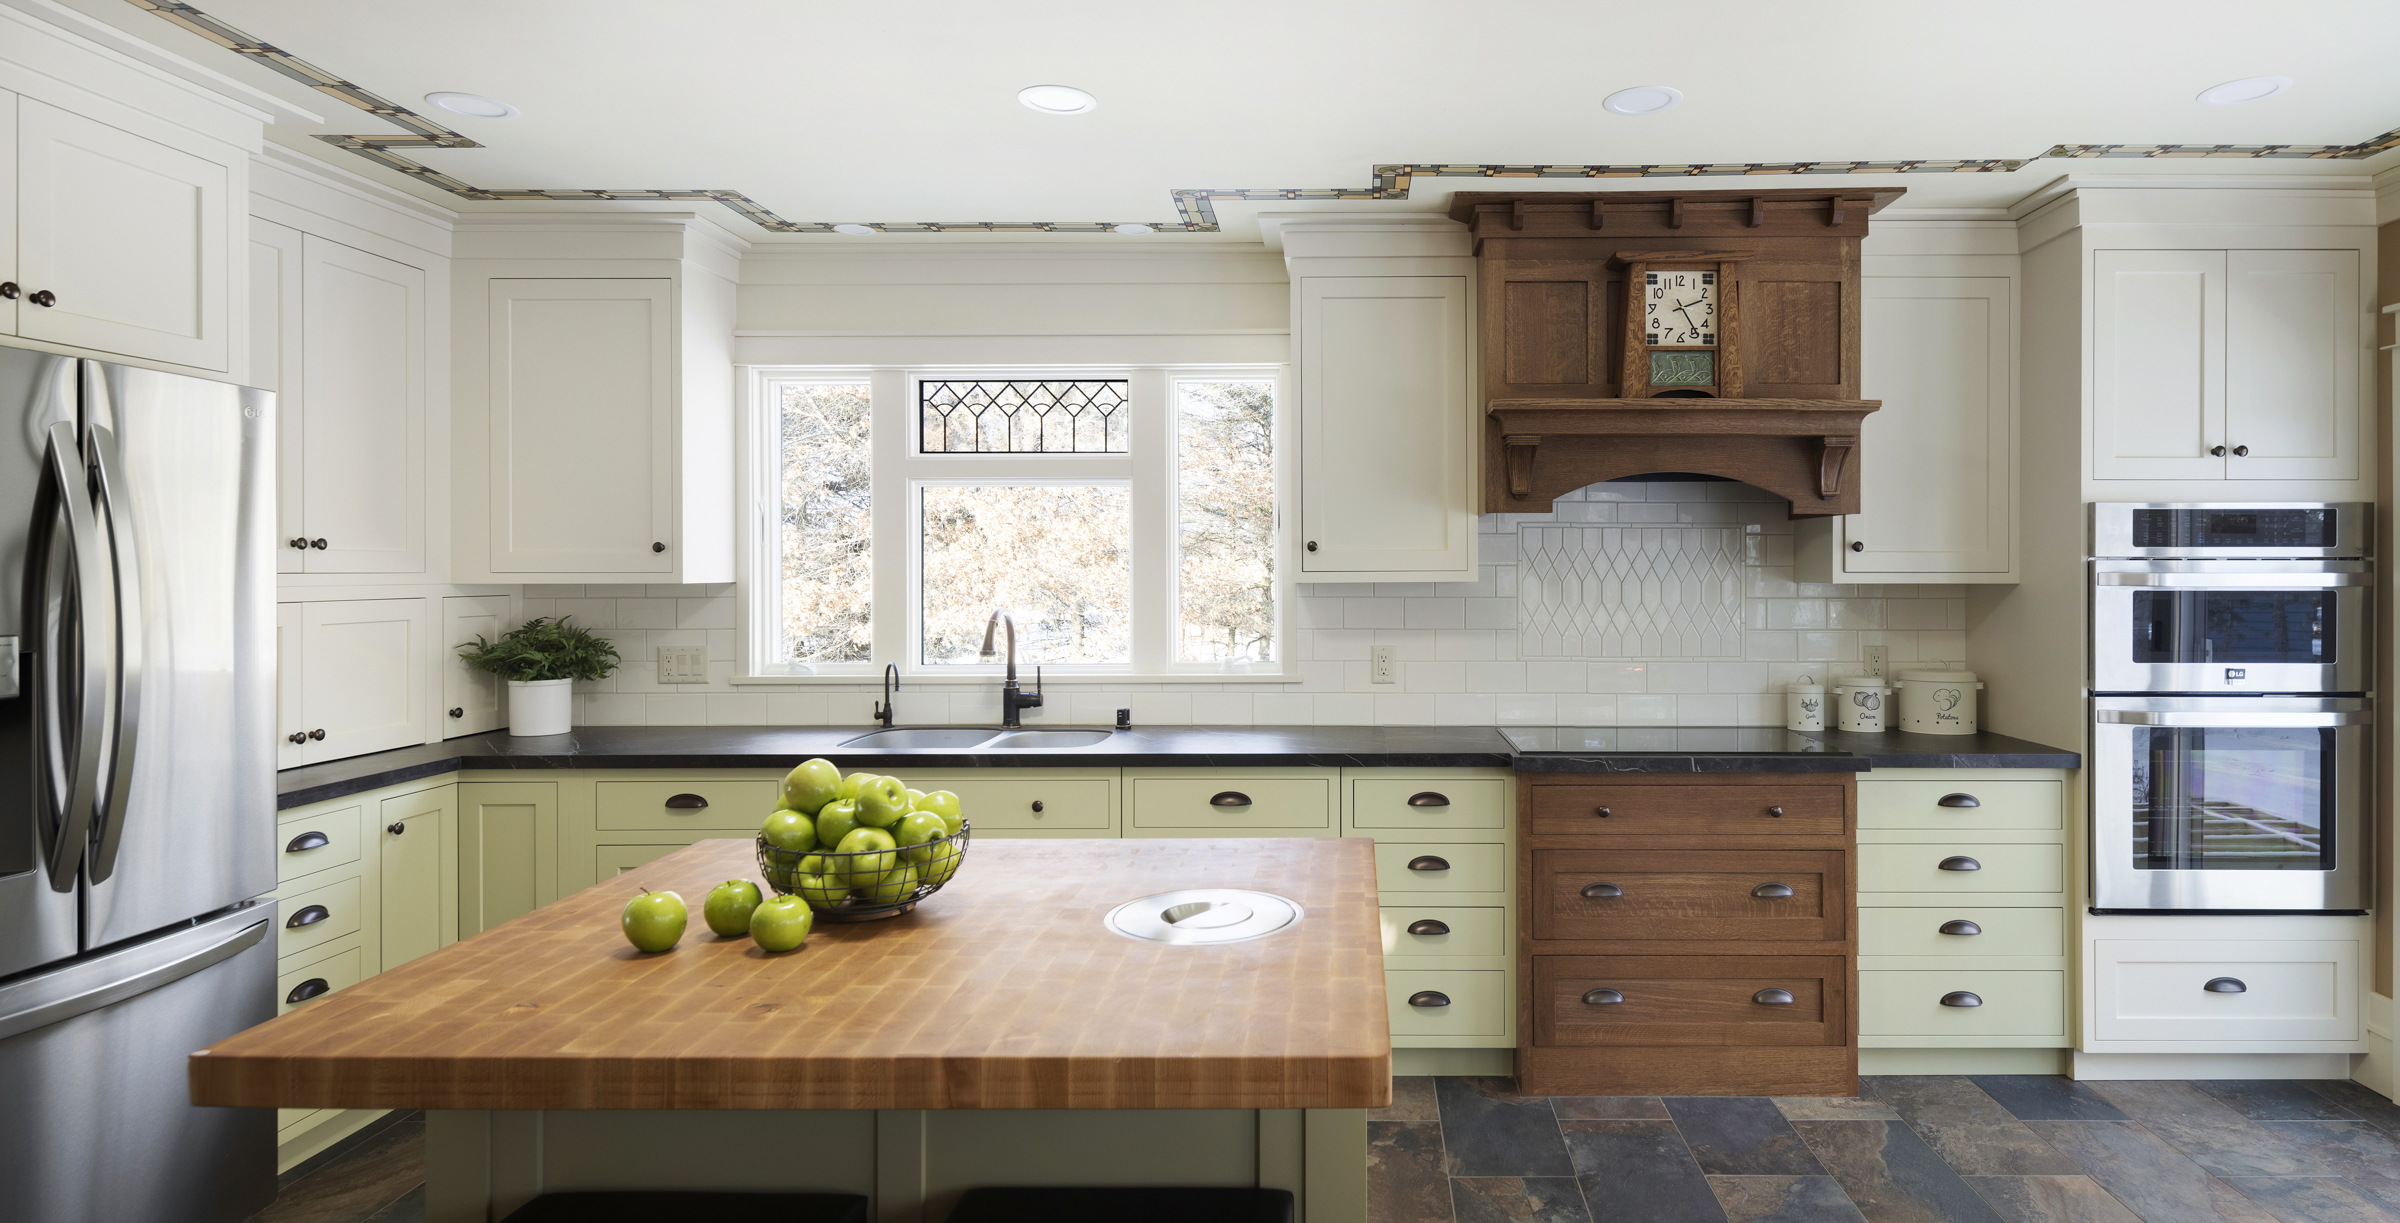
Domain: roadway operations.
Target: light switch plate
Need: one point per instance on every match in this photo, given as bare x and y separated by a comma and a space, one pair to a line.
1386, 667
683, 664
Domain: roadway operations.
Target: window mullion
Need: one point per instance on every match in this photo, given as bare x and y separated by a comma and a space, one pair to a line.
1153, 527
890, 439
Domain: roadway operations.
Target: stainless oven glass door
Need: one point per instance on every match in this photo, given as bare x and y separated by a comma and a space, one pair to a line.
2231, 626
2228, 804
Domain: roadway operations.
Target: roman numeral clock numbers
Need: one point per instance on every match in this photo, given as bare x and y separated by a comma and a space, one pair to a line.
1679, 309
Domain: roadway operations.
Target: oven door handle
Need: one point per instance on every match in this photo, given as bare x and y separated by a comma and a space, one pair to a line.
2152, 717
2235, 581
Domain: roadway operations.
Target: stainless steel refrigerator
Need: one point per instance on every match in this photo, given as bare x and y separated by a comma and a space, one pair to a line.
137, 787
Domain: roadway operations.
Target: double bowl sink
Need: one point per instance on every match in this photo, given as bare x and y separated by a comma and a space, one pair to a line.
977, 738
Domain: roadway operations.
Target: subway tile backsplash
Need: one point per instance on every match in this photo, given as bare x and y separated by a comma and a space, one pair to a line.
1665, 603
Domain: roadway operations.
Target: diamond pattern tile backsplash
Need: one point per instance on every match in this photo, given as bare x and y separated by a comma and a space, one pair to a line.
1629, 592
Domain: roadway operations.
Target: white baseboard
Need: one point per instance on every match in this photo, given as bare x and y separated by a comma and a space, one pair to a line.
1962, 1061
1500, 1063
2211, 1066
2375, 1067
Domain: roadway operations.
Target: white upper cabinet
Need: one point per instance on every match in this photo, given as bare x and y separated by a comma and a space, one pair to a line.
470, 698
2291, 365
277, 280
2158, 365
352, 678
1387, 438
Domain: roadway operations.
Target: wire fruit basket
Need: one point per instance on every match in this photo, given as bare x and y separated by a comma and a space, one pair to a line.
866, 885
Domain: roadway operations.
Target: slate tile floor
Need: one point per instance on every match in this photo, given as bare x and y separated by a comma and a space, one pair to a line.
1913, 1149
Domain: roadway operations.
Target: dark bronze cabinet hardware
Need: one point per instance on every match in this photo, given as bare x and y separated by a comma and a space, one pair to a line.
297, 736
1602, 997
1775, 812
1959, 862
307, 841
307, 917
1037, 804
1229, 798
44, 298
1312, 545
9, 290
2217, 451
1428, 798
298, 545
1858, 545
1961, 998
1429, 863
1602, 812
308, 989
687, 802
317, 735
318, 544
1428, 926
1429, 997
1773, 996
458, 711
1772, 891
397, 827
658, 547
1960, 926
1601, 891
1958, 800
2226, 985
2241, 452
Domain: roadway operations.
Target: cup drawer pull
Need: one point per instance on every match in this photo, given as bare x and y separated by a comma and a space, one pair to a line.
1773, 997
1961, 998
1958, 800
1429, 863
1602, 997
1428, 798
307, 917
307, 841
1959, 862
1427, 927
1772, 891
1229, 798
1960, 926
306, 990
1601, 891
2226, 985
1429, 997
687, 802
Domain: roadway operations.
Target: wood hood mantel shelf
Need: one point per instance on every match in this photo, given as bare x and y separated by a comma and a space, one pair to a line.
1801, 449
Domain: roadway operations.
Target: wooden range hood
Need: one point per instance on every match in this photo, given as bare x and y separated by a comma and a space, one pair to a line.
1568, 367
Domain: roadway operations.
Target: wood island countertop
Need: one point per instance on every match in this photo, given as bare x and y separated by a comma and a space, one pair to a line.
1002, 991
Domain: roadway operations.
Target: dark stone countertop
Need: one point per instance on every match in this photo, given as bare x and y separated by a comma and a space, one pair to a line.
754, 747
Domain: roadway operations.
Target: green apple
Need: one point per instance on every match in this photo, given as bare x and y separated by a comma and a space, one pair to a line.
835, 822
811, 785
820, 891
727, 909
914, 830
944, 865
654, 921
850, 784
782, 923
873, 855
940, 802
881, 801
915, 796
897, 885
791, 830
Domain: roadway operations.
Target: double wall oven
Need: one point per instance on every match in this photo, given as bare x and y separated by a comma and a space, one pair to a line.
2230, 706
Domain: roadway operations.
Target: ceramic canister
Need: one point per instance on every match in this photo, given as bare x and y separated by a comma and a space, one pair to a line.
1937, 702
1860, 703
1804, 704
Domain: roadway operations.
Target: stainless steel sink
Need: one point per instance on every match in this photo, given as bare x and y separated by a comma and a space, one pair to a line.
1022, 739
924, 736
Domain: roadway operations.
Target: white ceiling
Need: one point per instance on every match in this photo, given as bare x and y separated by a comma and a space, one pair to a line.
906, 113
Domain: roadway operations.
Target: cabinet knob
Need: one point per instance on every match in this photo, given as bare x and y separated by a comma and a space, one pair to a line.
1858, 545
1773, 996
1959, 862
687, 802
317, 735
1429, 997
2241, 451
1312, 545
2226, 985
307, 917
1428, 798
1037, 804
1960, 926
1229, 798
9, 290
44, 298
299, 545
458, 711
1602, 812
1601, 891
1429, 863
297, 736
1961, 998
2216, 452
306, 989
307, 841
1428, 926
1772, 891
1775, 812
658, 547
1958, 800
318, 544
1602, 997
397, 827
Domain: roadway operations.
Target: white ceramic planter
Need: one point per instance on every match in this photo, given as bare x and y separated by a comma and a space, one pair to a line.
540, 706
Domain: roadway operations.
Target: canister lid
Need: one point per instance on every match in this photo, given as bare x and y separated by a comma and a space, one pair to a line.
1862, 683
1938, 677
1806, 683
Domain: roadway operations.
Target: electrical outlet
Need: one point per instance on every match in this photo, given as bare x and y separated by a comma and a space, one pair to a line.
683, 664
1386, 667
1875, 656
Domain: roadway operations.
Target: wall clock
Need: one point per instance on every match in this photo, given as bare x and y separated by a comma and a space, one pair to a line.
1681, 315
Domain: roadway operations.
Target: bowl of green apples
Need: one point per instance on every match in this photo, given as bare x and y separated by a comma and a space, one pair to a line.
860, 847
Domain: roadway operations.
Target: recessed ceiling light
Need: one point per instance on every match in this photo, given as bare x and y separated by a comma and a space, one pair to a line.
472, 105
1642, 100
854, 229
1134, 229
2247, 89
1057, 99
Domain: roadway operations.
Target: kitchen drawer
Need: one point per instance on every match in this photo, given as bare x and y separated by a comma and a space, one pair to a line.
1811, 810
1472, 868
1467, 931
727, 805
1478, 1003
343, 906
1690, 1000
1689, 894
339, 830
1190, 803
2000, 868
2156, 989
2032, 806
322, 974
1908, 1002
610, 861
1017, 804
1448, 802
2041, 931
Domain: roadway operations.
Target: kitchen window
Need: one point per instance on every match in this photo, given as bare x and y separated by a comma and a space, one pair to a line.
1126, 519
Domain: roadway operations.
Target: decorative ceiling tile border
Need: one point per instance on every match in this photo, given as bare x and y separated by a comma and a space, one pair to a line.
1194, 206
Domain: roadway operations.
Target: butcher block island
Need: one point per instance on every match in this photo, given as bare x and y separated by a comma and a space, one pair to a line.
998, 1034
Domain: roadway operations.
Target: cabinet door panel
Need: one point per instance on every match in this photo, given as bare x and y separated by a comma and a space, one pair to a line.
2158, 364
291, 714
2291, 364
1384, 425
362, 455
1935, 488
507, 851
8, 207
277, 278
582, 414
470, 698
359, 675
417, 836
129, 234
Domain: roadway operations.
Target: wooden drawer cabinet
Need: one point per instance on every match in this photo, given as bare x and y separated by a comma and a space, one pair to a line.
1429, 804
2157, 989
321, 841
675, 805
1909, 1002
1994, 868
1949, 806
1402, 866
1690, 1000
1776, 895
1477, 1005
1014, 805
1963, 930
312, 977
341, 905
1202, 806
1805, 810
1436, 930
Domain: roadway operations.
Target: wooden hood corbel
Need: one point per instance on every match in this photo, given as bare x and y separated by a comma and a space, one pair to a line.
1801, 449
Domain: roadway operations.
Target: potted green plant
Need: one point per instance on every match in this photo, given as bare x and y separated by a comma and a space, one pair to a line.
541, 659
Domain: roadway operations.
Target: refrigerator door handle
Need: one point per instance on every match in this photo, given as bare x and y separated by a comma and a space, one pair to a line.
88, 986
66, 769
126, 559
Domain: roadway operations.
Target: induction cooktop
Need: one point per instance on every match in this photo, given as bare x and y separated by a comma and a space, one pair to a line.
1713, 740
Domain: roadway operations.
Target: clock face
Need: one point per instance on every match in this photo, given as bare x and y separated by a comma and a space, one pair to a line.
1679, 309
